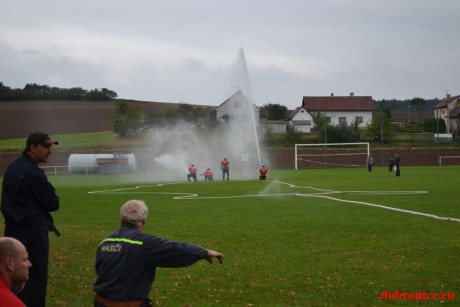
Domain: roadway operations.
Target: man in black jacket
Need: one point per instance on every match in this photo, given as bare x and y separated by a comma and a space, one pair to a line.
127, 259
27, 200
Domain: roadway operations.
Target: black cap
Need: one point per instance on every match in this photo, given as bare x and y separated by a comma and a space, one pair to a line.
40, 138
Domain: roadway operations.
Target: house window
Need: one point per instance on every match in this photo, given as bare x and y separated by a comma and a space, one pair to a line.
342, 120
359, 119
328, 119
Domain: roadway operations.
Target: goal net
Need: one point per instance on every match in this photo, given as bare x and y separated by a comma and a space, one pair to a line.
331, 155
449, 160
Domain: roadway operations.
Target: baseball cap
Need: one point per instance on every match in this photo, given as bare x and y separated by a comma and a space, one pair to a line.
40, 138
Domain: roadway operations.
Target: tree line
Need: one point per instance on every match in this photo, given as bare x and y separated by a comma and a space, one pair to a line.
33, 91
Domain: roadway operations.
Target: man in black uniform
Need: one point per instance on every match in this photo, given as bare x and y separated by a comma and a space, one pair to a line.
127, 259
27, 200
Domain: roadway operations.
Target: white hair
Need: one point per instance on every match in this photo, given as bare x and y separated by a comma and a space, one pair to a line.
134, 212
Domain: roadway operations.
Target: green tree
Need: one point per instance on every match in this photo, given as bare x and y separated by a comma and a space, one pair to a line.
319, 119
434, 125
126, 119
341, 133
373, 131
293, 136
273, 111
101, 95
75, 93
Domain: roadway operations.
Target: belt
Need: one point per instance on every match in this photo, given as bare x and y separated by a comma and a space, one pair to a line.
110, 303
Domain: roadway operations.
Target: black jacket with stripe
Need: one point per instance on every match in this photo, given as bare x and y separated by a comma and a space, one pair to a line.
127, 259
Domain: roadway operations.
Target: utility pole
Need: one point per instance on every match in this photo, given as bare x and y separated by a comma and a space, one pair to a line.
381, 129
325, 138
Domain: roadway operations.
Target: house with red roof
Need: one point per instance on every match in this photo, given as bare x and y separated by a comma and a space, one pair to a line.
337, 110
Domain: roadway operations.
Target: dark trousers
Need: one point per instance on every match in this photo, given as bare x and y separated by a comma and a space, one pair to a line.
398, 172
191, 175
225, 171
37, 245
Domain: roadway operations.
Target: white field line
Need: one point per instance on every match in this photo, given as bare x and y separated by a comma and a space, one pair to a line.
322, 193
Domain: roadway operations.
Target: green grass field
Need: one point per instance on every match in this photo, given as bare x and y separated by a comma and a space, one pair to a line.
285, 244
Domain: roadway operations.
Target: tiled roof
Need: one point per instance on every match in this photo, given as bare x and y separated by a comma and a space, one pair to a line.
445, 102
338, 103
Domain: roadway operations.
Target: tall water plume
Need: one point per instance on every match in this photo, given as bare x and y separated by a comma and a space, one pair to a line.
237, 139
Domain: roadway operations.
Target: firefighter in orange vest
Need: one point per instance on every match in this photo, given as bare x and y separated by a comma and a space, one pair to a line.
263, 172
191, 173
208, 175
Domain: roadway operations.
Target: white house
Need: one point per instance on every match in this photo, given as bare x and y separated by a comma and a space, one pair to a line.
449, 110
337, 109
238, 109
274, 126
301, 120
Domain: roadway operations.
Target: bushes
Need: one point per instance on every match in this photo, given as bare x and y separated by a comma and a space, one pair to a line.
434, 125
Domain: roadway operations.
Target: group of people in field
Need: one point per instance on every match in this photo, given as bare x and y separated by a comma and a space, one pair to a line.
392, 164
225, 168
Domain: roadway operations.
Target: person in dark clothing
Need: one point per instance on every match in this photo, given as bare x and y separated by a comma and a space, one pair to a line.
225, 167
27, 200
370, 162
127, 259
397, 161
391, 164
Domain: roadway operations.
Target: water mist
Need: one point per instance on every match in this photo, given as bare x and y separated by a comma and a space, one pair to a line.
176, 148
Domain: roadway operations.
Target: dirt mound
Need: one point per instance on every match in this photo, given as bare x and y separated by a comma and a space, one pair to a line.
19, 118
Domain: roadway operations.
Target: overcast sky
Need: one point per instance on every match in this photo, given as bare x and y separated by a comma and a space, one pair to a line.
182, 50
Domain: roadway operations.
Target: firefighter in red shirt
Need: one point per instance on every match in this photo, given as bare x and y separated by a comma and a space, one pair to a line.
263, 172
191, 173
225, 167
208, 175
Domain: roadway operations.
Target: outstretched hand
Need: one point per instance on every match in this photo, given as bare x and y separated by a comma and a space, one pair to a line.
214, 254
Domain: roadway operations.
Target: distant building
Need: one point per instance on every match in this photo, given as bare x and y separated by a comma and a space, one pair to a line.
238, 109
337, 109
274, 126
341, 109
300, 120
448, 109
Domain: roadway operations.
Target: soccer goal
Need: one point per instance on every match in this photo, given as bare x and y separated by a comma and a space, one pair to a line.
449, 160
331, 155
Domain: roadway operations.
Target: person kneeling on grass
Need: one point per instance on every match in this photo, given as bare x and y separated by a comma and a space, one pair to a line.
208, 175
127, 259
192, 173
263, 172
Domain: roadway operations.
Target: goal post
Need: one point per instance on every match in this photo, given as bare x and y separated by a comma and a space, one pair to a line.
453, 160
332, 154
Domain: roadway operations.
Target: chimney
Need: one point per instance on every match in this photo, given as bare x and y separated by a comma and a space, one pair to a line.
332, 94
352, 94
